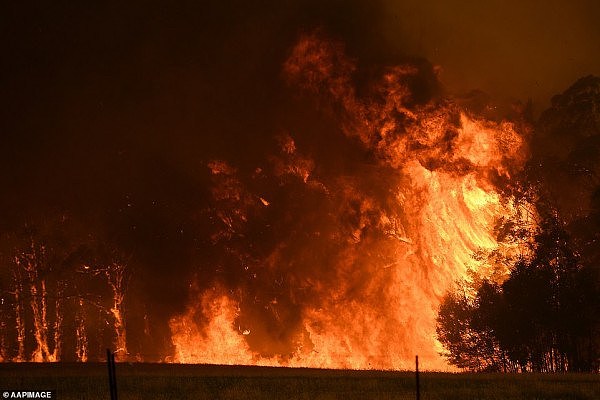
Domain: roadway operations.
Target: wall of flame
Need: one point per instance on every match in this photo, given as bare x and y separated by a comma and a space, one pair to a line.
345, 267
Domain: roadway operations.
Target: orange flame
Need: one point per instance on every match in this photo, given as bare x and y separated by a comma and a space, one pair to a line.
442, 206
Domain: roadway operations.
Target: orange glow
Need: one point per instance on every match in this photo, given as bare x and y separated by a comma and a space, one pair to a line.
27, 266
441, 207
219, 342
115, 274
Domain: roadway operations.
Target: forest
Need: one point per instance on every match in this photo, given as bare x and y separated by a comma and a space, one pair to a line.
545, 316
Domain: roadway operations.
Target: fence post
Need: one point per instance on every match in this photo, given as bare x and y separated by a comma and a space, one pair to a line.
417, 376
112, 374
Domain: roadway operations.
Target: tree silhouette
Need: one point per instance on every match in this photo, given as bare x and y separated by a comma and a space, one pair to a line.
544, 317
546, 314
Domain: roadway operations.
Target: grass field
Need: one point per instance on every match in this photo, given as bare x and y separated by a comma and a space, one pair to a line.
174, 381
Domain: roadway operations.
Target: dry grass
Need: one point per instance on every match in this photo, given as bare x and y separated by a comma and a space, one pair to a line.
172, 381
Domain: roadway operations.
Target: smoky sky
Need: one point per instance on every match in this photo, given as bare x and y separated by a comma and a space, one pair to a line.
95, 95
110, 111
512, 49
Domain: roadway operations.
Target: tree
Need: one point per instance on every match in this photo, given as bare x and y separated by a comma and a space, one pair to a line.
58, 283
469, 343
544, 317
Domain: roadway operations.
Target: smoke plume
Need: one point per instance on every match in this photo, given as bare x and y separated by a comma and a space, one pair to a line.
293, 176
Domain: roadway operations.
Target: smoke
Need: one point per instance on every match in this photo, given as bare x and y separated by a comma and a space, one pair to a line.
331, 264
523, 50
129, 119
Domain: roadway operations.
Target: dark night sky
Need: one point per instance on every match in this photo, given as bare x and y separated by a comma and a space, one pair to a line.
98, 98
110, 110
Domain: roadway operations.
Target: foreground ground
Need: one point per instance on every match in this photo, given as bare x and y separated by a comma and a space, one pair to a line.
174, 381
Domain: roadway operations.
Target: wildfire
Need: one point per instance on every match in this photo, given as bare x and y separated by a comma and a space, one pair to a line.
381, 246
42, 310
